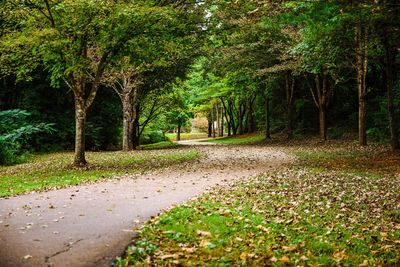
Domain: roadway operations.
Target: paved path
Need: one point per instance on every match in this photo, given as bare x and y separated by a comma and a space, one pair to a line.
90, 225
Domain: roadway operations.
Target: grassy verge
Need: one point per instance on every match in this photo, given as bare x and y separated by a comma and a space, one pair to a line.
54, 170
160, 145
315, 212
239, 140
187, 136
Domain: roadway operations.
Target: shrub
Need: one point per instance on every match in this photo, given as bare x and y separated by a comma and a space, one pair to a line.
15, 133
335, 132
152, 137
377, 134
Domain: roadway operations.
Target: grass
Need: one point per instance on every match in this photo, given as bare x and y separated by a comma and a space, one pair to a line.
250, 139
160, 145
187, 136
315, 212
54, 170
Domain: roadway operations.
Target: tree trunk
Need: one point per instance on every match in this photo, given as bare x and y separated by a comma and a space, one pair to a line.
250, 118
227, 116
389, 82
127, 126
212, 122
322, 123
290, 122
240, 119
209, 128
232, 116
289, 90
267, 118
80, 120
83, 100
361, 63
135, 127
221, 133
217, 118
321, 96
178, 135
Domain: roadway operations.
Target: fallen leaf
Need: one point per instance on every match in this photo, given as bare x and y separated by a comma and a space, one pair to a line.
27, 257
203, 233
263, 228
168, 256
243, 256
338, 256
284, 259
289, 248
206, 243
190, 250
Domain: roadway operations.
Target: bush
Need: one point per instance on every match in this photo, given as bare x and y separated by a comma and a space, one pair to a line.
152, 137
377, 134
15, 133
335, 132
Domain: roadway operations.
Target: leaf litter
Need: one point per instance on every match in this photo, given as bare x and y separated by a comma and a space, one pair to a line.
338, 204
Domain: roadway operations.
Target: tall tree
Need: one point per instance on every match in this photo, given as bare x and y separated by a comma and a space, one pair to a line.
76, 40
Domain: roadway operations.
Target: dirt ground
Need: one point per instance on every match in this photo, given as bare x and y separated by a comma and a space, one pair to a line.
89, 225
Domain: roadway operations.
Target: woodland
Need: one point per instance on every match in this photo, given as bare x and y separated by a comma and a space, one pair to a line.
98, 76
317, 79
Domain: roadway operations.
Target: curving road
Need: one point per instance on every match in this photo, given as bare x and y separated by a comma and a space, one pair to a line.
90, 225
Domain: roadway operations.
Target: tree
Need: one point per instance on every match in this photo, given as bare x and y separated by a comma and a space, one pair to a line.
77, 40
388, 28
180, 114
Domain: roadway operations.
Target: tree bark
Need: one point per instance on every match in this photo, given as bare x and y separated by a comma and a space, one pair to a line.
361, 66
389, 82
178, 135
209, 128
232, 116
83, 100
241, 114
321, 99
289, 90
226, 114
212, 122
217, 118
221, 133
250, 117
322, 123
267, 118
80, 120
127, 108
135, 127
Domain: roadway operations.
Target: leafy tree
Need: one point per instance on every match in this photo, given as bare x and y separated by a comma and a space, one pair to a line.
77, 40
180, 114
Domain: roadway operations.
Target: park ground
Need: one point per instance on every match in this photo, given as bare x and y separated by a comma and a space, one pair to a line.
334, 203
337, 204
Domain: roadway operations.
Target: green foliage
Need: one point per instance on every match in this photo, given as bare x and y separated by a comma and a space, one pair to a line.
151, 137
239, 140
159, 145
186, 136
15, 133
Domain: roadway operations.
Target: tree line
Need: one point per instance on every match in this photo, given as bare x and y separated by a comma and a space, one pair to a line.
138, 48
284, 57
119, 67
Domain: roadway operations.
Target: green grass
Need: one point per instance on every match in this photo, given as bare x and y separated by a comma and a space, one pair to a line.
239, 140
160, 145
311, 213
54, 170
187, 136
